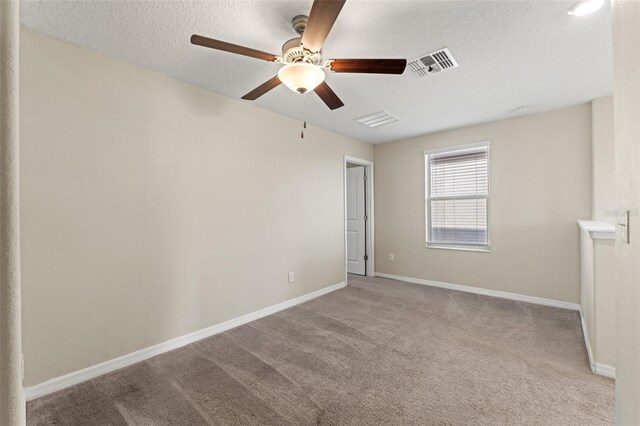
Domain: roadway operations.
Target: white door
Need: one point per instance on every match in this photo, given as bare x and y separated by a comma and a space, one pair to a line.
356, 218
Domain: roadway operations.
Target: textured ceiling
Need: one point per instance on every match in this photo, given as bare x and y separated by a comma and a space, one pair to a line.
511, 53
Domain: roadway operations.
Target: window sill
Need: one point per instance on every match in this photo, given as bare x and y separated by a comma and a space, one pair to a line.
444, 247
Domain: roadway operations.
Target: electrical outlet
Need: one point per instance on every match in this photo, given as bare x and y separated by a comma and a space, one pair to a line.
292, 277
392, 257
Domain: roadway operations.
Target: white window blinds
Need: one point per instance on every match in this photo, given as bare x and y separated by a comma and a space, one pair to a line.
457, 197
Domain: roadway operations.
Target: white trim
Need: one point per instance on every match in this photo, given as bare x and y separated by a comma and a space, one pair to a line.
62, 382
370, 226
597, 235
606, 235
478, 144
481, 249
486, 292
587, 342
598, 230
605, 370
596, 367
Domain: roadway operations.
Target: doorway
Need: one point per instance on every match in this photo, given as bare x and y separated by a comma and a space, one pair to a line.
358, 216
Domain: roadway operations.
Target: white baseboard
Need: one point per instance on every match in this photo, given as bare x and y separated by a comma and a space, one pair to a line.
596, 367
62, 382
587, 342
486, 292
605, 370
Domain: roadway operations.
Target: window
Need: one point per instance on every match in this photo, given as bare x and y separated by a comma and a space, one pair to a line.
457, 197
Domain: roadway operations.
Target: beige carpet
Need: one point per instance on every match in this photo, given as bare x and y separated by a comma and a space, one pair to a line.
379, 352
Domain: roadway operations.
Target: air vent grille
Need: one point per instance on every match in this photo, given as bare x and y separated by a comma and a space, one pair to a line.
433, 63
377, 119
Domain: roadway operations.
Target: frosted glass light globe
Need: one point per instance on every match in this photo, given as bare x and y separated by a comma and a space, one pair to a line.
301, 77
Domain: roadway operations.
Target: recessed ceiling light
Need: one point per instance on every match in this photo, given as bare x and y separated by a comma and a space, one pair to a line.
585, 7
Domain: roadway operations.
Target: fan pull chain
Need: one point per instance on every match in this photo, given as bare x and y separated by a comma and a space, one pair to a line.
304, 122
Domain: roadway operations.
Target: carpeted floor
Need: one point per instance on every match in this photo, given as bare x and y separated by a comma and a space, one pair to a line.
379, 352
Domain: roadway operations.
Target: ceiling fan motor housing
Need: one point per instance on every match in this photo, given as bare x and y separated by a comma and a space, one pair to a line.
292, 51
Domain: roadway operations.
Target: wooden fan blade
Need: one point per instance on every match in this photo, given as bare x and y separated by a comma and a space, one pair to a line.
328, 96
262, 89
232, 48
372, 66
321, 18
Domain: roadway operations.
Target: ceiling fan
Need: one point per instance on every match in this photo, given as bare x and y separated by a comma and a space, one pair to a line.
303, 68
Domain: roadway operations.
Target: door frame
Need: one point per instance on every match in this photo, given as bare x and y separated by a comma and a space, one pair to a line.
369, 226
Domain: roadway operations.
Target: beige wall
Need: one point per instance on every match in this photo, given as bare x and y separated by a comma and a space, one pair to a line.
540, 186
626, 59
603, 161
152, 208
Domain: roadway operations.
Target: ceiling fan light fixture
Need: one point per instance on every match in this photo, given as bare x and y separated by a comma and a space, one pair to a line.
585, 7
301, 77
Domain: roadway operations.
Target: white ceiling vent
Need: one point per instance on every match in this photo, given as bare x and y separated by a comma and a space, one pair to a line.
433, 63
377, 119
